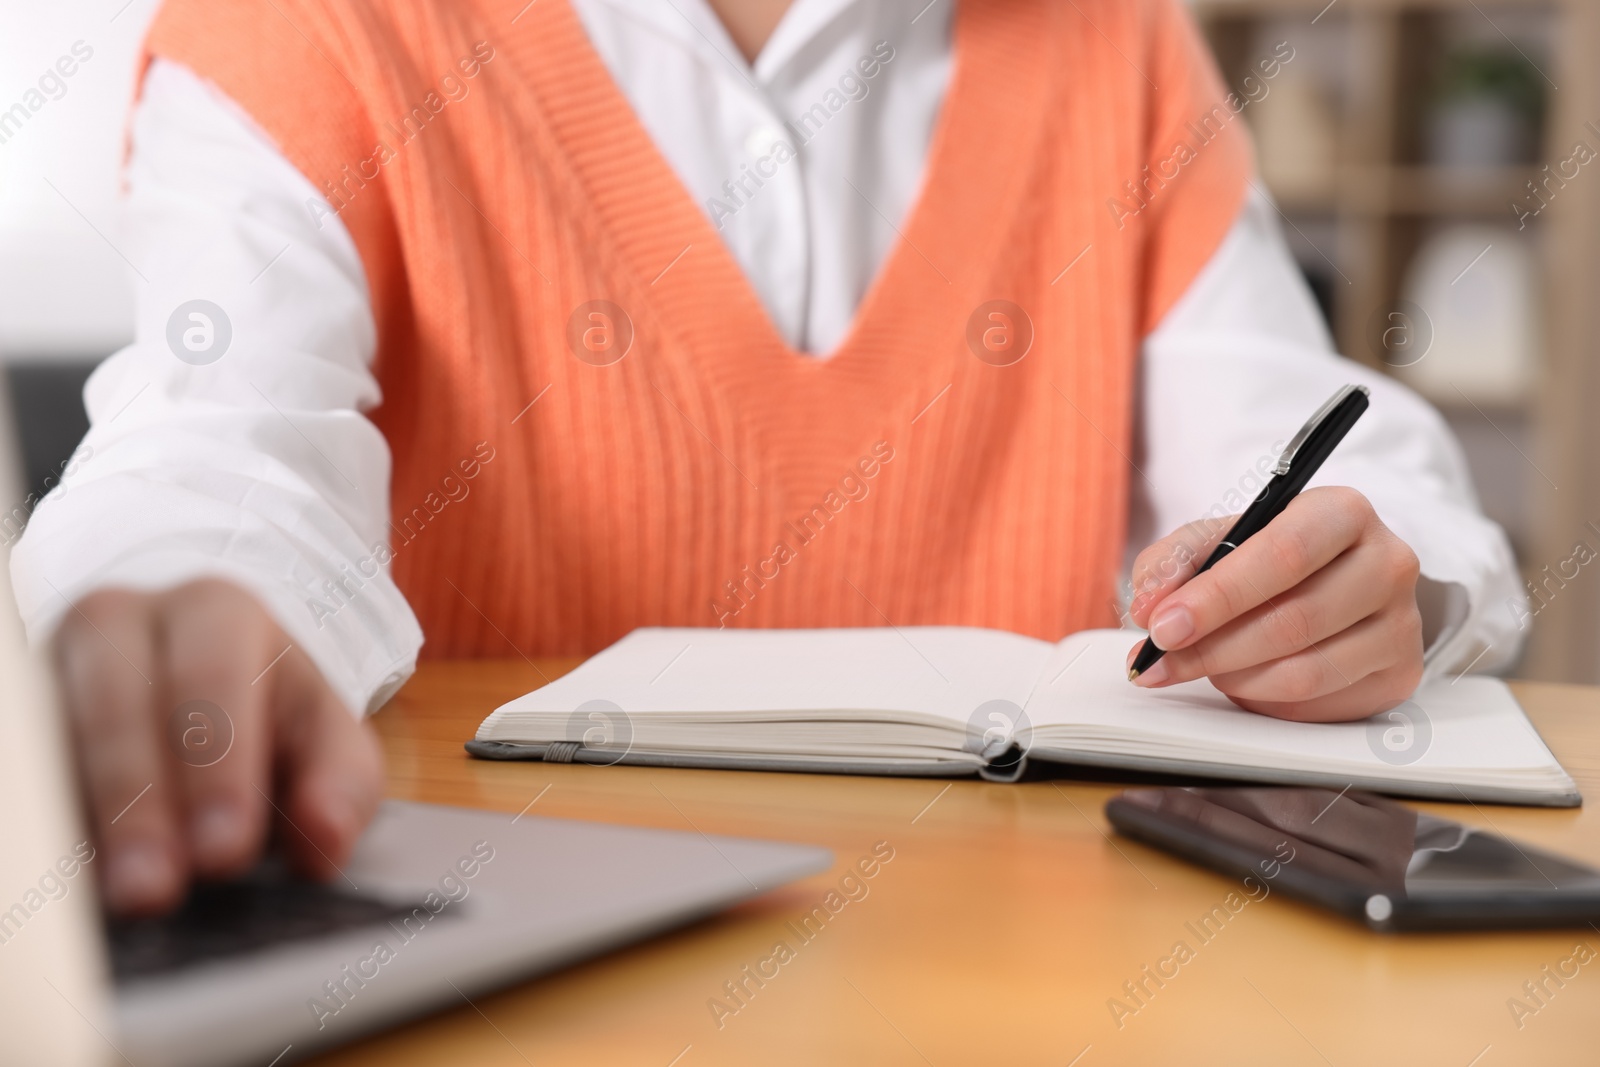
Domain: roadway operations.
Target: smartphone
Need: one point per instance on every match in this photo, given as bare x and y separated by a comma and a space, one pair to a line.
1366, 857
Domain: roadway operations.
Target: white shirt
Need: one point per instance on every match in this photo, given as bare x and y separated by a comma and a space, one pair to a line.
261, 467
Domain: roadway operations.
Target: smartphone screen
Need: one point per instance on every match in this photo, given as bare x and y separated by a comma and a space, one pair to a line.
1364, 856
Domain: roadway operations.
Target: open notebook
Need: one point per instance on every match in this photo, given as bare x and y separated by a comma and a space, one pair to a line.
953, 700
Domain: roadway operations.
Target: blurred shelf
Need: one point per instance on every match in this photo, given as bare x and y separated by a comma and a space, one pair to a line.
1494, 409
1377, 190
1426, 190
1378, 64
1322, 8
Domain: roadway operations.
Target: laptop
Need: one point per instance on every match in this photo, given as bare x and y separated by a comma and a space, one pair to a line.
437, 906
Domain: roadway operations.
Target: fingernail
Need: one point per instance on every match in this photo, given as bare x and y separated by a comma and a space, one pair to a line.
137, 874
1143, 798
1156, 675
1172, 627
338, 814
346, 820
215, 832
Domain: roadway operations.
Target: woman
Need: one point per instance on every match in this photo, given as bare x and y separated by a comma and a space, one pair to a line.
702, 312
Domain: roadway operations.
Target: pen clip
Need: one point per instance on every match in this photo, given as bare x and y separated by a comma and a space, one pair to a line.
1286, 458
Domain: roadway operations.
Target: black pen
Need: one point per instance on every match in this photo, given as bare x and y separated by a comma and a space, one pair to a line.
1300, 459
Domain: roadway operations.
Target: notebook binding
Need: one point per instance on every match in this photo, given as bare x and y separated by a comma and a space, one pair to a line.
561, 751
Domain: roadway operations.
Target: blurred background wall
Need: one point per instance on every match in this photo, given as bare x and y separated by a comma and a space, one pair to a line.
66, 294
1437, 163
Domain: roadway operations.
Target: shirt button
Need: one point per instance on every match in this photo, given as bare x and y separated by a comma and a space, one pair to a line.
762, 140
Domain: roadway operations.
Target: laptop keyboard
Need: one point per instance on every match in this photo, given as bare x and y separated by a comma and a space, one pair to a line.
231, 919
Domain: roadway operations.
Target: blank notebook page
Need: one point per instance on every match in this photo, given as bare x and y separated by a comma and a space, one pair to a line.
1474, 722
940, 670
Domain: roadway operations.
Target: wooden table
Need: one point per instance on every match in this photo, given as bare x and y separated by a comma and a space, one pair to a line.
1005, 923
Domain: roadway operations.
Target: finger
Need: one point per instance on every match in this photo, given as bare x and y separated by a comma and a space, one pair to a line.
215, 643
1329, 602
1325, 667
107, 658
331, 771
1375, 693
1363, 671
1314, 529
1171, 561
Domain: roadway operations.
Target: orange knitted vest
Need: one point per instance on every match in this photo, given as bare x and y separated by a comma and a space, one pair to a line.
594, 424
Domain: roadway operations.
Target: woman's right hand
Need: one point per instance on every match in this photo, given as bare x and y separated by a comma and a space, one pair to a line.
200, 732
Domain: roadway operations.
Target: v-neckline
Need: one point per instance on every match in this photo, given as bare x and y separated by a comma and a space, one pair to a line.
910, 324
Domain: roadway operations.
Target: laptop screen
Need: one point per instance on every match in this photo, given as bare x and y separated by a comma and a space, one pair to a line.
52, 959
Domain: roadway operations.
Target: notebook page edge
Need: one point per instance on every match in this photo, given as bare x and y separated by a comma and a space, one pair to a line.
637, 662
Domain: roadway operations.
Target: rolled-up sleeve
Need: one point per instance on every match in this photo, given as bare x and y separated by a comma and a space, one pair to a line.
229, 439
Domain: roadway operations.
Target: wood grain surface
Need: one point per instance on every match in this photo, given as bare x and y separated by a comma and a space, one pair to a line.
1001, 931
